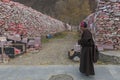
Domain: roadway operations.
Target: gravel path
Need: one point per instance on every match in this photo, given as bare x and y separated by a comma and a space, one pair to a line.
53, 53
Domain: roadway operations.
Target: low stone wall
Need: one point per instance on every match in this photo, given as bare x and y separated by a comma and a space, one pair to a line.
112, 57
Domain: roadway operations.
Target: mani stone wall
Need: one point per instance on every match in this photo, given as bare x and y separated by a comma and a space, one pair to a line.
16, 18
105, 24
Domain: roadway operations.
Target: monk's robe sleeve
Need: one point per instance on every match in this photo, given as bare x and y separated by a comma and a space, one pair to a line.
86, 39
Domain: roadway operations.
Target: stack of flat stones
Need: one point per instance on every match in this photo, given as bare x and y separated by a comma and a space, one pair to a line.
36, 23
106, 24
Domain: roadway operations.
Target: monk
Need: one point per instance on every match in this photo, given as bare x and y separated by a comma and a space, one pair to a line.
87, 44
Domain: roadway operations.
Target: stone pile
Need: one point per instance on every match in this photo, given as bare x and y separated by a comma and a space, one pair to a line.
5, 1
23, 26
29, 21
105, 24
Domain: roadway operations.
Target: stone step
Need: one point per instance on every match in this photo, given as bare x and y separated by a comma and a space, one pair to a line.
112, 57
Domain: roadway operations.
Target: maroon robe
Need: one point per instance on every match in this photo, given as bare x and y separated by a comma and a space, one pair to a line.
86, 58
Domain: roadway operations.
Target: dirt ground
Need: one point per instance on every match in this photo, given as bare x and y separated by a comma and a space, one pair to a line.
53, 52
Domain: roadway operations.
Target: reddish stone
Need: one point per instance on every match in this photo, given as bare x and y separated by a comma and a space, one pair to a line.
6, 1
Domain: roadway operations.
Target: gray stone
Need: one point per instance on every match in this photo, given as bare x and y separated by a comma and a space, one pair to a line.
113, 0
117, 14
112, 57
